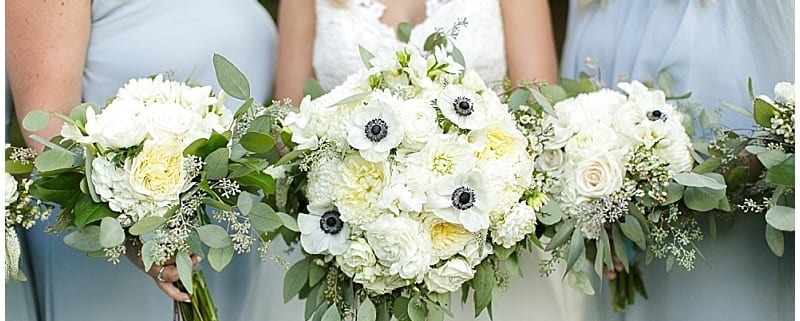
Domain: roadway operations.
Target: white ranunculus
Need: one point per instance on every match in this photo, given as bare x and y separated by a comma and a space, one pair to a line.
785, 91
476, 251
357, 257
323, 234
358, 189
515, 225
591, 140
462, 199
402, 194
120, 125
172, 121
375, 130
551, 160
444, 155
450, 276
419, 121
627, 116
465, 108
598, 176
11, 189
401, 244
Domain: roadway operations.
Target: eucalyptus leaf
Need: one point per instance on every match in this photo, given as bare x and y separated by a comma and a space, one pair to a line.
214, 236
219, 258
702, 199
245, 203
86, 239
54, 159
699, 180
184, 264
264, 218
737, 108
543, 102
632, 230
315, 273
148, 251
366, 56
484, 283
518, 98
195, 245
230, 79
288, 221
709, 165
111, 233
313, 88
771, 157
763, 112
332, 314
774, 240
352, 99
257, 142
458, 57
620, 249
576, 248
550, 213
674, 193
782, 174
290, 156
146, 224
781, 218
755, 150
554, 93
563, 232
35, 120
580, 282
294, 280
403, 32
416, 309
216, 164
665, 83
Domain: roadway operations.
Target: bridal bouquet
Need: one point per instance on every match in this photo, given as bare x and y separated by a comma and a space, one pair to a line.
759, 168
621, 168
163, 169
415, 178
22, 210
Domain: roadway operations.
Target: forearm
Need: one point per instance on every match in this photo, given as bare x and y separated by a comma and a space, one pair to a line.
530, 48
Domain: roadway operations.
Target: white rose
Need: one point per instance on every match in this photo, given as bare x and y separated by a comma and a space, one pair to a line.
381, 281
592, 139
357, 257
11, 189
450, 276
476, 251
598, 176
401, 244
551, 160
785, 91
120, 125
168, 121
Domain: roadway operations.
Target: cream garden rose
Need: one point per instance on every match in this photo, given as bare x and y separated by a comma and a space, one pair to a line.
158, 171
598, 176
450, 276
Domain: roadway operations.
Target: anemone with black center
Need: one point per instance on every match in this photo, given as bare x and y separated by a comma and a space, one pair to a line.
656, 115
376, 130
330, 223
463, 198
463, 106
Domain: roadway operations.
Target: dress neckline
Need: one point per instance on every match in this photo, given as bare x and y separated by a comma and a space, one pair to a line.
380, 8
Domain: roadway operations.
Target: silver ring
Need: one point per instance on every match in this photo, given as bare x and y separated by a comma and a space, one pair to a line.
158, 275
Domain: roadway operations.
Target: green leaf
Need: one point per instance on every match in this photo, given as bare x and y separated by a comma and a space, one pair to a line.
400, 308
554, 93
542, 101
257, 142
243, 108
366, 311
87, 212
702, 199
763, 112
86, 239
352, 99
245, 202
674, 193
633, 231
315, 273
195, 246
54, 159
736, 108
563, 232
416, 309
781, 218
518, 98
458, 57
484, 283
111, 233
620, 249
219, 258
214, 236
230, 79
665, 83
146, 224
148, 251
576, 248
18, 168
312, 88
707, 166
503, 252
62, 189
771, 157
580, 282
264, 218
35, 120
549, 214
366, 56
288, 221
217, 164
782, 174
184, 264
403, 32
260, 180
774, 240
700, 180
332, 314
202, 147
296, 277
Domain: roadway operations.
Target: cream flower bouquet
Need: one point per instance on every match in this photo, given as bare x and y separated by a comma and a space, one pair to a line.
165, 169
415, 179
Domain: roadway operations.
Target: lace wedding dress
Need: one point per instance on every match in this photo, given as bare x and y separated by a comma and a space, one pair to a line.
341, 26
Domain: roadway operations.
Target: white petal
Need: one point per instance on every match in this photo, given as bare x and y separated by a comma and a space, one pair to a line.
473, 220
308, 223
315, 242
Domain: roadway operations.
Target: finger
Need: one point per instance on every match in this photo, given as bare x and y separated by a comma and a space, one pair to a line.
173, 292
170, 274
611, 275
618, 266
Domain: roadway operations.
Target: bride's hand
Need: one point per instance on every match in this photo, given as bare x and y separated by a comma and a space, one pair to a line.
165, 275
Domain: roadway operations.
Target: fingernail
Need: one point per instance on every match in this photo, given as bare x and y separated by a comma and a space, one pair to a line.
187, 301
199, 259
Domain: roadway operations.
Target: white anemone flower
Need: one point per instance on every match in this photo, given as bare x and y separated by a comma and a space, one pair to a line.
465, 108
462, 199
323, 234
375, 130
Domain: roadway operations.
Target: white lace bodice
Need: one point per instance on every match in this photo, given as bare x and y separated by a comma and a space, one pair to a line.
340, 29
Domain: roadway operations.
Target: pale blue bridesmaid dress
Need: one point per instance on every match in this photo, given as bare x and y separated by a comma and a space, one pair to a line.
710, 48
139, 38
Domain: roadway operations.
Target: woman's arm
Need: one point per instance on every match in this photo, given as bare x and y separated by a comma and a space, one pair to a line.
296, 23
46, 43
530, 48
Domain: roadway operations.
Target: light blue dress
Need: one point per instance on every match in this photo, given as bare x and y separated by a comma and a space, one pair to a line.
138, 38
710, 48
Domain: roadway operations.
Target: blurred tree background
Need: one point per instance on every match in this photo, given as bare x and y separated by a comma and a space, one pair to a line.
558, 14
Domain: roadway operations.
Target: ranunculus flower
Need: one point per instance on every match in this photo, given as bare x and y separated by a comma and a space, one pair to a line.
450, 276
120, 125
401, 244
